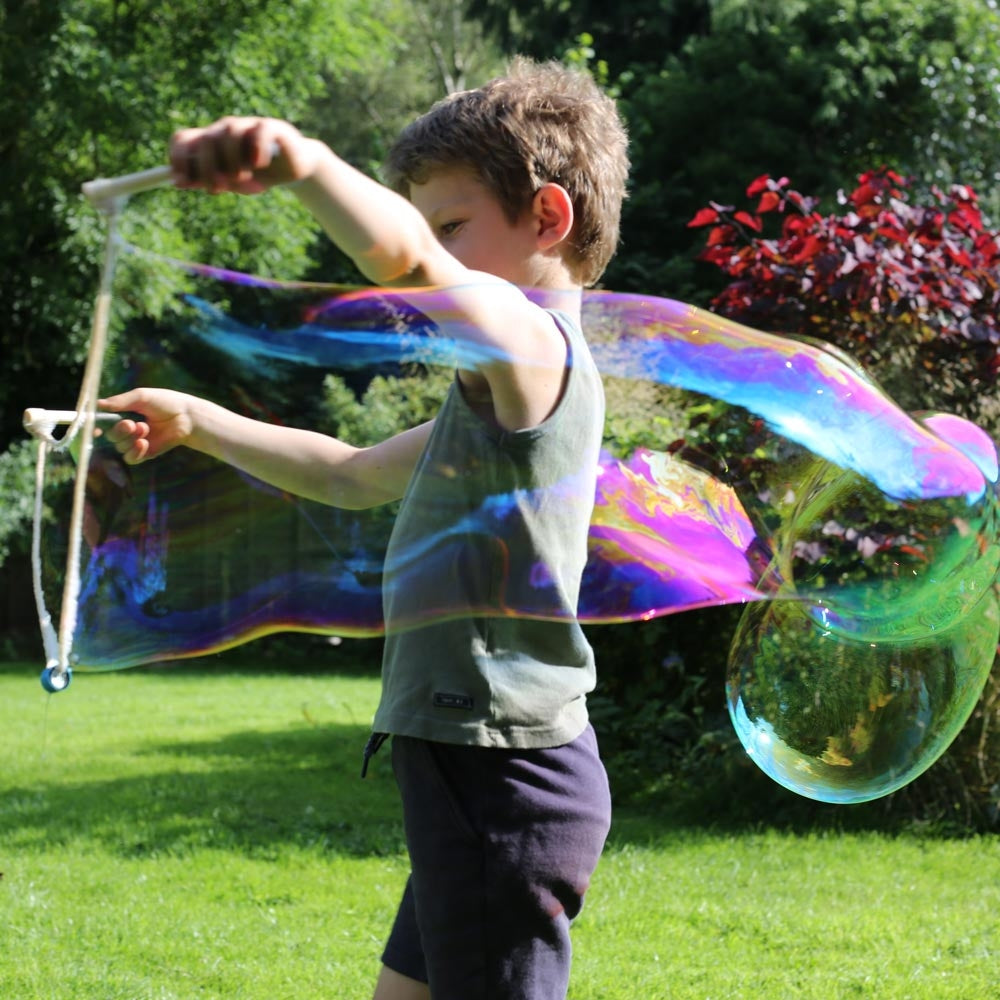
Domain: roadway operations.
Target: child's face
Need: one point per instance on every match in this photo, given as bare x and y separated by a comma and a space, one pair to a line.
470, 224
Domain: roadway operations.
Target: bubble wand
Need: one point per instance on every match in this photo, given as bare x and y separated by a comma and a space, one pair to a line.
108, 196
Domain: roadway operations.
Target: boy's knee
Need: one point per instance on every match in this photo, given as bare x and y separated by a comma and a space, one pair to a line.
392, 985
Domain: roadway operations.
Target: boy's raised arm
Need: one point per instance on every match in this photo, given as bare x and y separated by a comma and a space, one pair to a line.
379, 230
392, 244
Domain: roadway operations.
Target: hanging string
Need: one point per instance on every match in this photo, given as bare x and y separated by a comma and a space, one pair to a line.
50, 640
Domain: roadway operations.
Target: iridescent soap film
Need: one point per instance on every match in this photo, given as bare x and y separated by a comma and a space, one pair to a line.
739, 467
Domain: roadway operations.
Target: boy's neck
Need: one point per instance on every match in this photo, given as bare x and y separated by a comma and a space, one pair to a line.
567, 299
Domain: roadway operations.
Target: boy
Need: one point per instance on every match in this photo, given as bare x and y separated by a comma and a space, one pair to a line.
517, 185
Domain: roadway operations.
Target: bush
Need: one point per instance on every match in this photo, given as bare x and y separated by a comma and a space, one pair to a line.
17, 497
913, 291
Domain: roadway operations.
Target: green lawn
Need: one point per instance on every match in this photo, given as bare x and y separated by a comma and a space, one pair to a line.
182, 834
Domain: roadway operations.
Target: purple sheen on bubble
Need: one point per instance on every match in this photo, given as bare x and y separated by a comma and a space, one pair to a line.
971, 440
806, 394
664, 535
862, 540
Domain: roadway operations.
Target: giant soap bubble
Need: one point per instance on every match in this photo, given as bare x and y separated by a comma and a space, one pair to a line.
739, 468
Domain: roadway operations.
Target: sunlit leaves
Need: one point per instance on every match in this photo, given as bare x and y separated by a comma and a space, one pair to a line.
890, 278
95, 88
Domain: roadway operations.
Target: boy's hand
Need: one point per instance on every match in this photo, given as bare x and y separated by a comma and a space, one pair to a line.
169, 421
244, 155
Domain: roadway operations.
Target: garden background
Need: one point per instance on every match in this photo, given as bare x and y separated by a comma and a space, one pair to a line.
196, 830
875, 124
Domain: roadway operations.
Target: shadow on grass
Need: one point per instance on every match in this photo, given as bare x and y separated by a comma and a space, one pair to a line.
258, 793
252, 792
261, 794
666, 817
740, 799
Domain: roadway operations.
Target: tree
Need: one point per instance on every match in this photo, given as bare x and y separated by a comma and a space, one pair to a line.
96, 89
633, 37
820, 90
433, 50
716, 91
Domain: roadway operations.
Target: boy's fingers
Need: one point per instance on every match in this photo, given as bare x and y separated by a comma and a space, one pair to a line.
249, 151
119, 431
260, 147
246, 147
233, 154
137, 452
257, 149
197, 158
203, 165
227, 146
128, 434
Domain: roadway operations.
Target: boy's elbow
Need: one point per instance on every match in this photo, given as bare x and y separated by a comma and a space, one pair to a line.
385, 269
354, 499
405, 261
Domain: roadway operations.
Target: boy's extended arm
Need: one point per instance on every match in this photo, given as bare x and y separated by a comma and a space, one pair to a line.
382, 232
305, 463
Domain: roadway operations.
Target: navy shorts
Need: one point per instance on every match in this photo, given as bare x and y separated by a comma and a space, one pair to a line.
502, 846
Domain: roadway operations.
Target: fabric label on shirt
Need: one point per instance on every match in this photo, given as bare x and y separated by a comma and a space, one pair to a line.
442, 699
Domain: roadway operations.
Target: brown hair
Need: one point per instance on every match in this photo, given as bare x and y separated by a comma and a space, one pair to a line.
541, 123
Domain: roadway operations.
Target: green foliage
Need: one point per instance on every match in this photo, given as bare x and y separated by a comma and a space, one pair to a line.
658, 708
642, 415
17, 496
96, 89
819, 90
637, 34
388, 405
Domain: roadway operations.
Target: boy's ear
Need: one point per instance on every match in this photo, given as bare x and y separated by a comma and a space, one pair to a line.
553, 211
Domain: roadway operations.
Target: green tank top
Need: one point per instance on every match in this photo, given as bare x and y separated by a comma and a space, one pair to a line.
483, 574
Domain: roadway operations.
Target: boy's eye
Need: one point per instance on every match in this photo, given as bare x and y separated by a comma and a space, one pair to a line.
449, 228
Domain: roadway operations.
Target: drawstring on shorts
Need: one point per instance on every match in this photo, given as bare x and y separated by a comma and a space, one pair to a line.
372, 747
